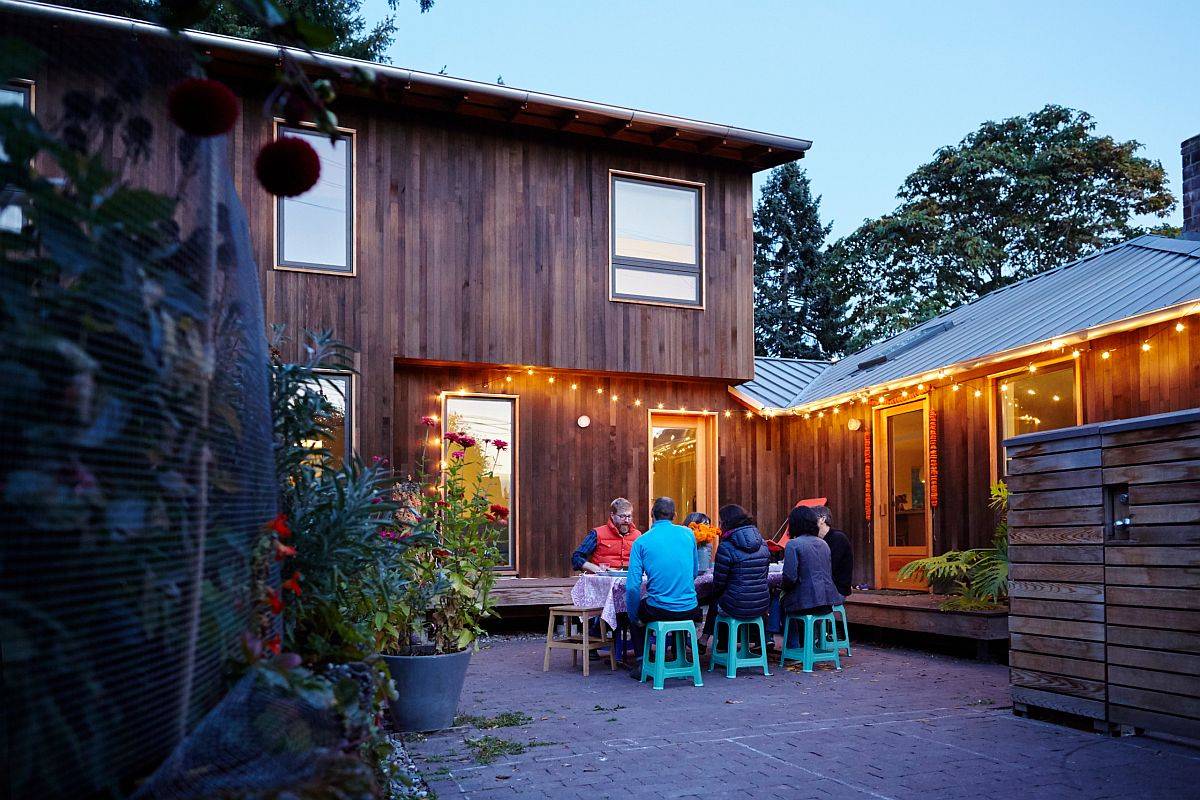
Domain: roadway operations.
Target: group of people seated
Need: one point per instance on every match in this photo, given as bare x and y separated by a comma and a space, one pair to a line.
817, 568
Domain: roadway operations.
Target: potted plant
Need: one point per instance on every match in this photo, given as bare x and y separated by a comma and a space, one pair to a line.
438, 596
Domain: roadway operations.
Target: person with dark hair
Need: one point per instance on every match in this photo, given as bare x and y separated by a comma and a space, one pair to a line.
666, 556
840, 555
739, 586
808, 586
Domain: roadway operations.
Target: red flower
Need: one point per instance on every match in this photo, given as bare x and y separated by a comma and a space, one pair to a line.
451, 436
202, 106
293, 583
466, 441
274, 600
274, 644
280, 526
442, 504
498, 510
283, 551
458, 454
490, 517
442, 552
500, 444
430, 421
287, 167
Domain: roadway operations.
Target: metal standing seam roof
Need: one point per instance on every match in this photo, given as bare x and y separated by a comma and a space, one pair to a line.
1139, 276
779, 381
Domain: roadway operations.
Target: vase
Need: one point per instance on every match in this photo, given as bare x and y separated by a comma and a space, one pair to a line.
427, 689
704, 558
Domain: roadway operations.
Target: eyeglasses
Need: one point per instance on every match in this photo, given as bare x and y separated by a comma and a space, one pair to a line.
623, 516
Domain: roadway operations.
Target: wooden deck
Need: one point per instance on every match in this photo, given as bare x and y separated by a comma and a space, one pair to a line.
916, 612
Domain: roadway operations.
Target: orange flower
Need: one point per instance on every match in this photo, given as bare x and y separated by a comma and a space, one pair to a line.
274, 600
274, 644
280, 526
442, 552
293, 583
283, 551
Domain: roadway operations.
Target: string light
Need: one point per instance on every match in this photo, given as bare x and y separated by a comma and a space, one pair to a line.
978, 393
661, 405
552, 379
954, 387
1179, 326
574, 386
1004, 387
637, 402
749, 415
728, 413
820, 415
614, 398
1146, 347
1057, 398
920, 387
529, 371
1033, 367
1106, 355
508, 378
599, 390
807, 415
1075, 354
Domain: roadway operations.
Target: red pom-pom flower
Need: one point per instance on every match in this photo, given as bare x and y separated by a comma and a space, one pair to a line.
287, 166
202, 106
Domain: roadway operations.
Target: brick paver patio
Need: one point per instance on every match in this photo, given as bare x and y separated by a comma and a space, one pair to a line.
894, 723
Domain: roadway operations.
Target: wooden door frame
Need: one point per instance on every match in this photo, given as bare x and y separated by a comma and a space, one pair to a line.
879, 479
706, 436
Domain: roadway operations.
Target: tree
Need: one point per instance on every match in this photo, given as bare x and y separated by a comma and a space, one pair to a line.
347, 30
797, 300
1012, 199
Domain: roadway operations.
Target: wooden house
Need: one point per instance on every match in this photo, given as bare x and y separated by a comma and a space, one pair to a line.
576, 279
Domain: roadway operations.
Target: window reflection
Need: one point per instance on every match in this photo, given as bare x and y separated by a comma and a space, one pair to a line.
655, 221
336, 390
12, 218
487, 419
675, 473
1037, 401
315, 229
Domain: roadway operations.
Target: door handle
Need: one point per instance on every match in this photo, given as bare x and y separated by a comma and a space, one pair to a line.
883, 509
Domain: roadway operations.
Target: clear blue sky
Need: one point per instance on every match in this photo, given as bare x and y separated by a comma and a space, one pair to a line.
876, 86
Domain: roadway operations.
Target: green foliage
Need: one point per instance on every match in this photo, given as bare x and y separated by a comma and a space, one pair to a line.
979, 577
487, 749
449, 575
1012, 199
798, 299
505, 719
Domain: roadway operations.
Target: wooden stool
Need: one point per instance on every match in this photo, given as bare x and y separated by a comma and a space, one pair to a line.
580, 642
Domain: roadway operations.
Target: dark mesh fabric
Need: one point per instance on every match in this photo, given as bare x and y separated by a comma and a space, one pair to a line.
137, 457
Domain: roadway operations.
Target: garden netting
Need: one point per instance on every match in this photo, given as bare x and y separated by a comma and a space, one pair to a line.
137, 472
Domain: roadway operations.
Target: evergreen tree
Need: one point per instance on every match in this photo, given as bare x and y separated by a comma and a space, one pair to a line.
798, 302
1012, 199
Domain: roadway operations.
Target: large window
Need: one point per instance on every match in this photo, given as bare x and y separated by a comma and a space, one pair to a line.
1042, 399
337, 388
487, 419
316, 229
12, 218
656, 241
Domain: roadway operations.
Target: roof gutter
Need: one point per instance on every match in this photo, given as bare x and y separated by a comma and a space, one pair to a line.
747, 400
516, 96
1081, 336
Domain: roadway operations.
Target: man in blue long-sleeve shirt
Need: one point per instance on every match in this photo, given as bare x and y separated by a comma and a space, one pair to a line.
666, 555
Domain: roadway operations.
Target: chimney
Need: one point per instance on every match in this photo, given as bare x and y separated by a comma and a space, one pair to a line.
1190, 150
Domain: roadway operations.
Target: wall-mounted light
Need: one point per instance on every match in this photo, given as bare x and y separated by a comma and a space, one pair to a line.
584, 421
854, 423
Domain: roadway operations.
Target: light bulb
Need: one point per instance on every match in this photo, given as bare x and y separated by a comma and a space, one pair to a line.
637, 402
1106, 355
1145, 347
1179, 327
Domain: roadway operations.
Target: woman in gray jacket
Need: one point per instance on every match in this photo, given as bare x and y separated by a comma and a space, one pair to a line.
807, 573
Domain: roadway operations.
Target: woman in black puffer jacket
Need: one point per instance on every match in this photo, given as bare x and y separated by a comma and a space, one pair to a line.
739, 587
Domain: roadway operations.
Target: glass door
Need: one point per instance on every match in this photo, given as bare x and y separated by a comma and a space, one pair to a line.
902, 527
683, 462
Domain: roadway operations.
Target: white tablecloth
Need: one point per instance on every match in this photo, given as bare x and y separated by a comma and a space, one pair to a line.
608, 593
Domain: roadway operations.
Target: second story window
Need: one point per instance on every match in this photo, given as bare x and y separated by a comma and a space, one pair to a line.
316, 229
656, 241
12, 218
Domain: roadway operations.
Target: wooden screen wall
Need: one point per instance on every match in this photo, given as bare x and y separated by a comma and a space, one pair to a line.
1105, 548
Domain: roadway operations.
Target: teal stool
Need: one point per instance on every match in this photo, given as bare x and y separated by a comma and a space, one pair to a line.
816, 628
843, 636
683, 631
738, 630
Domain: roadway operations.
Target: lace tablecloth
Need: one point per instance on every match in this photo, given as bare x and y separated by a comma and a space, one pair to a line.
608, 593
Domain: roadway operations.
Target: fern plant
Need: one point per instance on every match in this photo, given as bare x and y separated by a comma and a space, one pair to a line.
979, 576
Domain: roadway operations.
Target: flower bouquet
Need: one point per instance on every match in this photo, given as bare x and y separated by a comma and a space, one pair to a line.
708, 537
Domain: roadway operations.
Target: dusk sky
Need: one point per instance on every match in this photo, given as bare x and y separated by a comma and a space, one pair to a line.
876, 86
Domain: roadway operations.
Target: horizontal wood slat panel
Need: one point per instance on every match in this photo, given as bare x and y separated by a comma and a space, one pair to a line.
1064, 445
1045, 481
1153, 599
1054, 609
1066, 554
1091, 631
1181, 641
1153, 721
1081, 534
1174, 492
1071, 667
1162, 702
1069, 573
1093, 709
1041, 590
1056, 517
1147, 435
1052, 646
1167, 514
1153, 473
1059, 684
1167, 577
1184, 663
1062, 498
1155, 680
1166, 619
1059, 461
1171, 450
1164, 534
1152, 556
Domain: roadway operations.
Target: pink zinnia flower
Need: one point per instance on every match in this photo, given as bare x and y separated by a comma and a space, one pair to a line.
500, 444
429, 421
466, 441
458, 453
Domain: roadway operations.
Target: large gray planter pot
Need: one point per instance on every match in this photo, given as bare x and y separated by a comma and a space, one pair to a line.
428, 688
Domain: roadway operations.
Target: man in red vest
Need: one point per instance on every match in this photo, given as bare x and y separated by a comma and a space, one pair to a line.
607, 546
